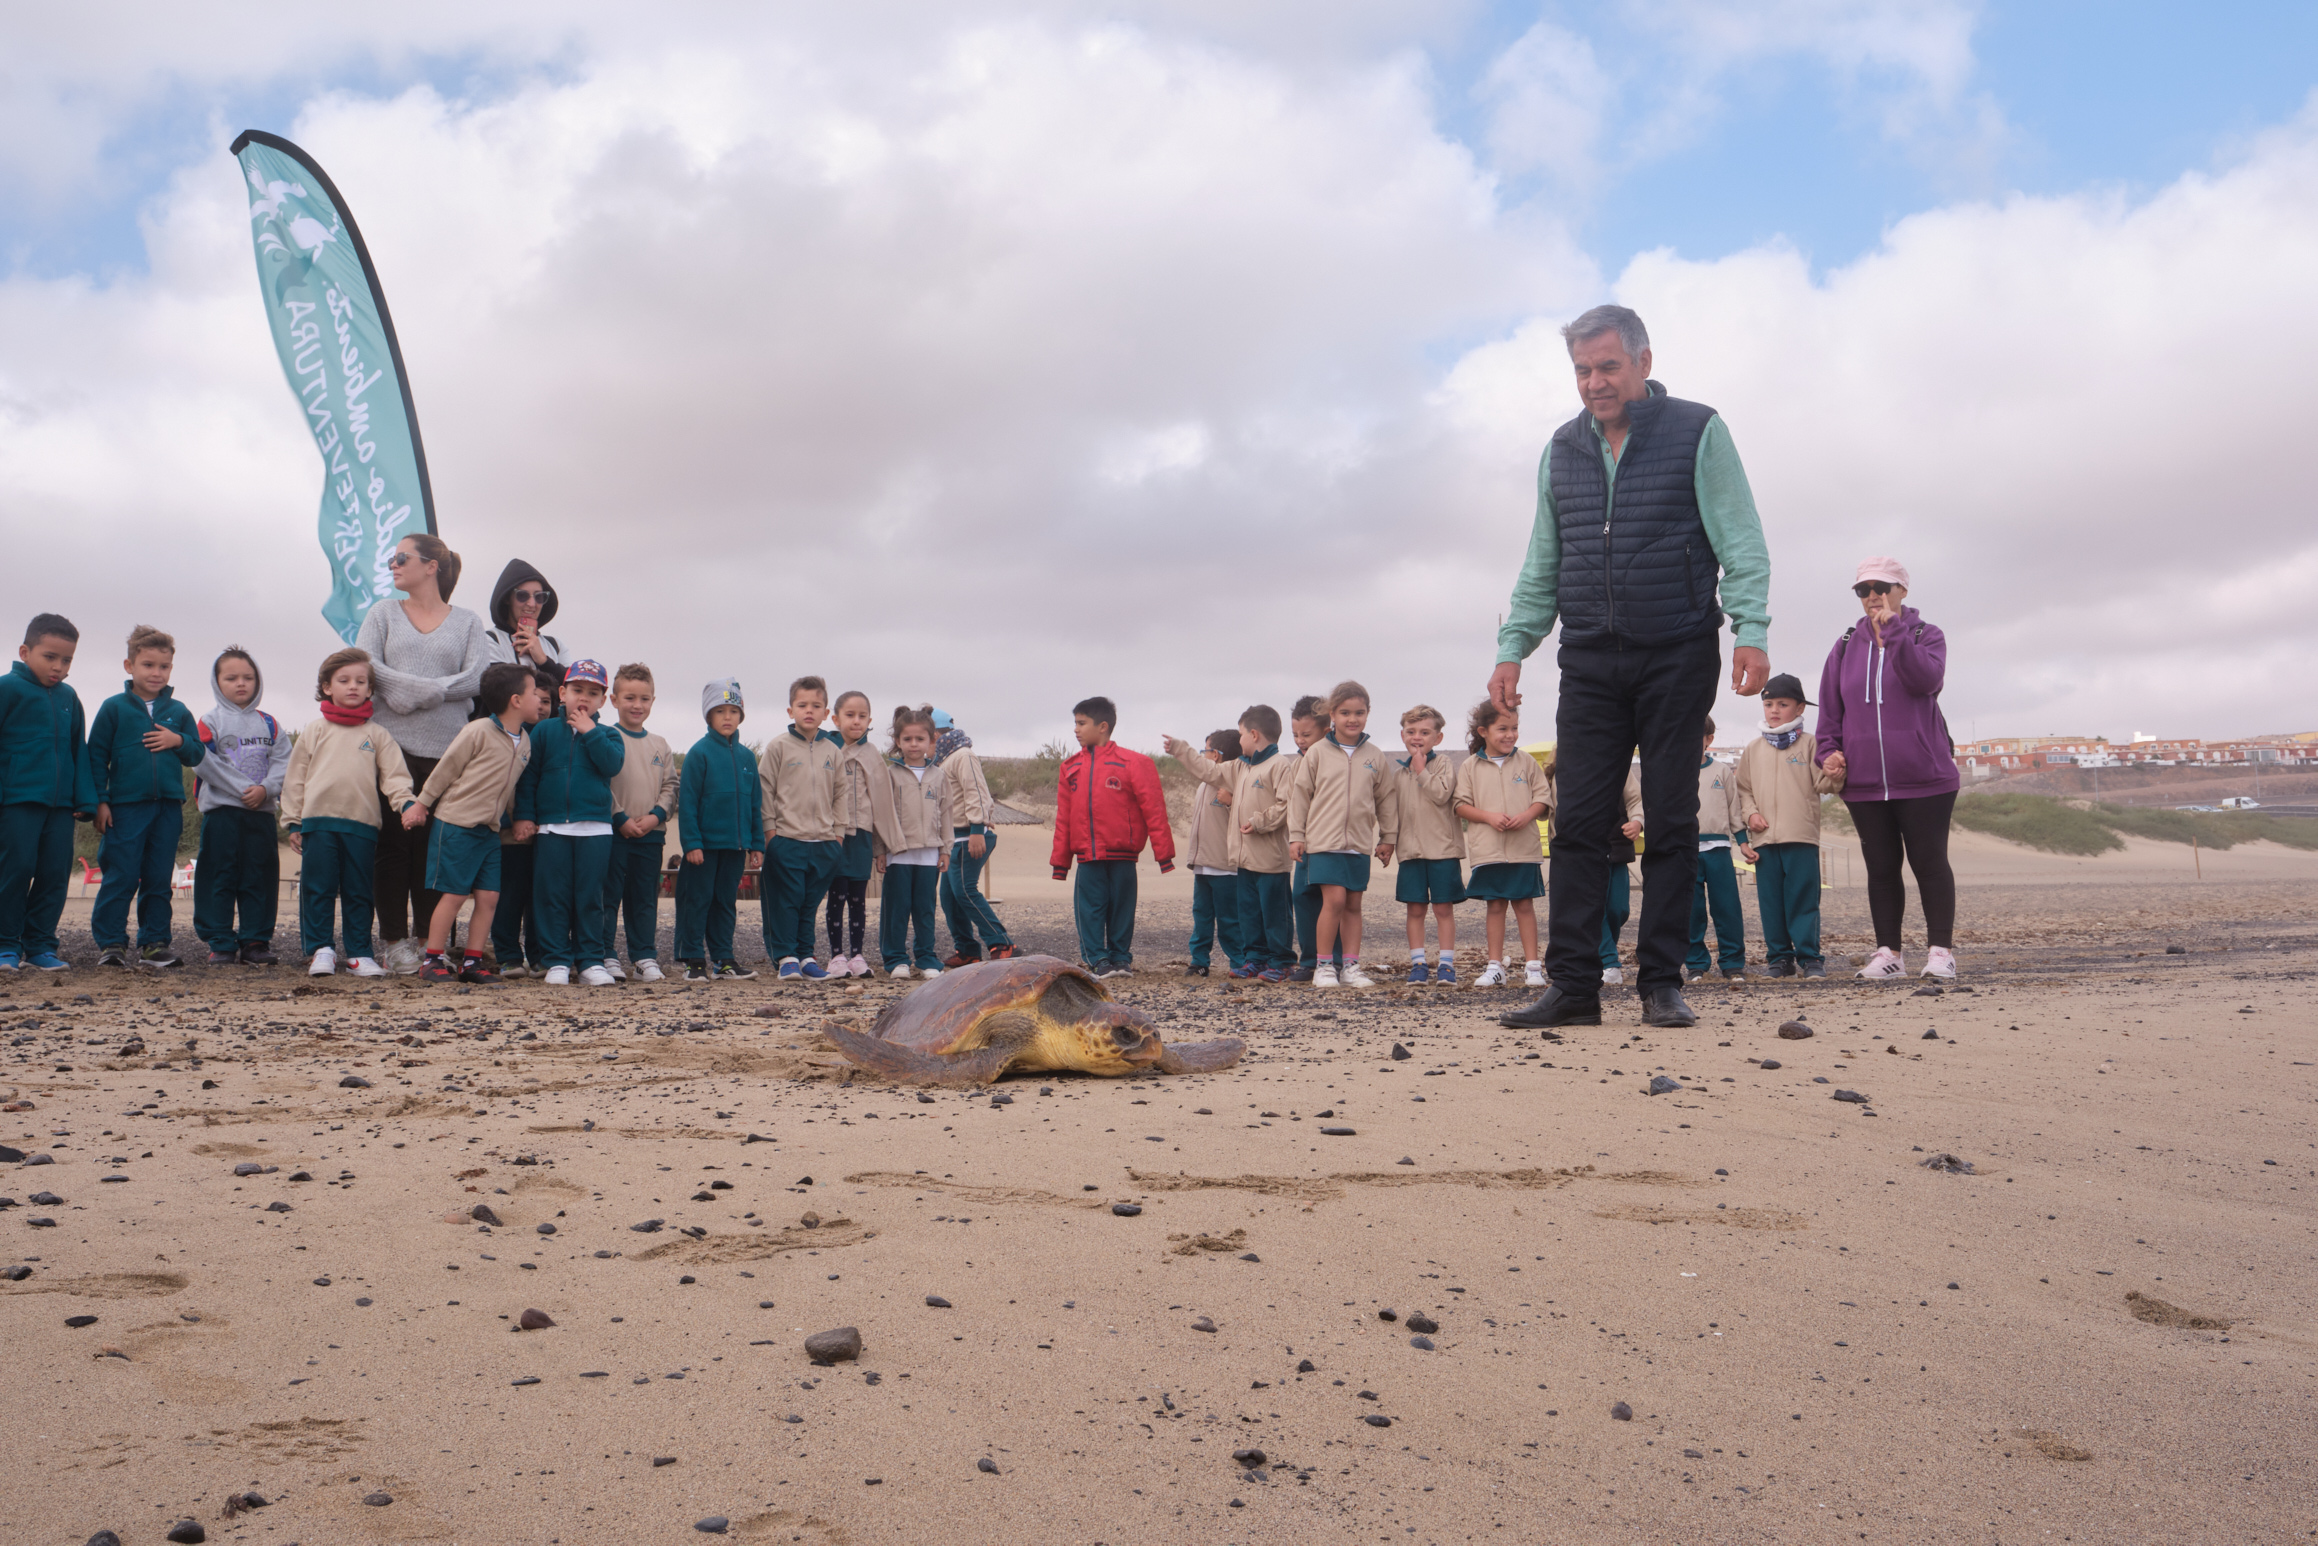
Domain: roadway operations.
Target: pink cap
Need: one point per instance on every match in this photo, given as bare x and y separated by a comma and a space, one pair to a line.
1889, 570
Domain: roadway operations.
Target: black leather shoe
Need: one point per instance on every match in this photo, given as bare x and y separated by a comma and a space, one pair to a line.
1553, 1009
1664, 1007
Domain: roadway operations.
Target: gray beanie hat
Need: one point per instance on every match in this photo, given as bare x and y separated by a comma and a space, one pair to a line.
724, 691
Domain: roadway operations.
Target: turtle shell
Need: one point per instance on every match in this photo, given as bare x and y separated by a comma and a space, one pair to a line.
945, 1015
1028, 1013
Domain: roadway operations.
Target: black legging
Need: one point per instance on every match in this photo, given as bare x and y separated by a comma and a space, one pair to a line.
847, 895
399, 877
1918, 830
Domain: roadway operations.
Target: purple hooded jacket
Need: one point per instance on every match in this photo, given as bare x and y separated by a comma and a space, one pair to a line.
1880, 707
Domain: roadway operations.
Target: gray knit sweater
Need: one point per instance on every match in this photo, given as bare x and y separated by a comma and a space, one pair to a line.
423, 684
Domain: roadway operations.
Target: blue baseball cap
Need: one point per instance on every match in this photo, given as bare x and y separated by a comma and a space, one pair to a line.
587, 671
942, 721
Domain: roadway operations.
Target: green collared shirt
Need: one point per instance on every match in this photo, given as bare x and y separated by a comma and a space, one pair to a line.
1725, 504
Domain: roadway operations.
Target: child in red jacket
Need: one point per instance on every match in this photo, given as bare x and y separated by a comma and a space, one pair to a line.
1107, 805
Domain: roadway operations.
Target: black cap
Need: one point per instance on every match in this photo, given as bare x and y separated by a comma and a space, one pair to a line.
1785, 685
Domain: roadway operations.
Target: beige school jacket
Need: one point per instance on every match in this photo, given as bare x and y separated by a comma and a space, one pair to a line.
1341, 802
970, 802
1206, 845
907, 812
1259, 798
1429, 828
1783, 787
1718, 812
474, 783
1507, 790
803, 793
646, 781
1633, 807
863, 768
338, 772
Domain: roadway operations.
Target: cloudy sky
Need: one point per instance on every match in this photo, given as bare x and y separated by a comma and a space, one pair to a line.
1193, 352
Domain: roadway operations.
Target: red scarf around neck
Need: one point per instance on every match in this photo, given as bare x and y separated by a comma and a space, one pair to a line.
338, 716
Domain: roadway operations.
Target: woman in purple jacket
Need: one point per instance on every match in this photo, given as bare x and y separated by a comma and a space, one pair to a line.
1880, 726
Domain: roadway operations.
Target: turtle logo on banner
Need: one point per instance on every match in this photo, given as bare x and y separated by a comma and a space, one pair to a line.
338, 350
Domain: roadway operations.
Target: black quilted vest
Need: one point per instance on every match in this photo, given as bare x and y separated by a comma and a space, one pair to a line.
1636, 569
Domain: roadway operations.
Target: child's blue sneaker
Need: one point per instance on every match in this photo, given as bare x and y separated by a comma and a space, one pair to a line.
50, 961
1243, 973
10, 960
790, 970
812, 971
1446, 972
1273, 974
1418, 975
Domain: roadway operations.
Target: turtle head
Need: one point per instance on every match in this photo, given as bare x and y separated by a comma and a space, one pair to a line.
1120, 1040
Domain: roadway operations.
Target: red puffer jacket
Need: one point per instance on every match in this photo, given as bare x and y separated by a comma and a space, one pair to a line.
1107, 805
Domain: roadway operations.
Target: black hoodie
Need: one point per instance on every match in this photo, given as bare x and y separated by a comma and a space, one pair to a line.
502, 631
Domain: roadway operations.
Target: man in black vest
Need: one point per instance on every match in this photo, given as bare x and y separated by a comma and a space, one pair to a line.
1646, 532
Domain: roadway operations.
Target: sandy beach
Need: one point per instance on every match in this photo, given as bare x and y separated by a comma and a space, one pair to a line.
2107, 1331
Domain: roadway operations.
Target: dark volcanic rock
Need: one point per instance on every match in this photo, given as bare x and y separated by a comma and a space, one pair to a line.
78, 1321
1853, 1097
1795, 1030
834, 1346
1401, 1054
481, 1213
1622, 1413
1421, 1344
1376, 1420
354, 1082
714, 1524
1661, 1085
104, 1538
987, 1466
186, 1530
378, 1499
1126, 1210
1421, 1322
936, 1302
1770, 1063
534, 1320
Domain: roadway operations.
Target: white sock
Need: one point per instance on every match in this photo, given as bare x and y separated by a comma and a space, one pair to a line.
1537, 963
1418, 956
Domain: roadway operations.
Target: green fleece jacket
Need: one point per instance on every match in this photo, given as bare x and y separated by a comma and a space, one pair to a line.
120, 767
44, 748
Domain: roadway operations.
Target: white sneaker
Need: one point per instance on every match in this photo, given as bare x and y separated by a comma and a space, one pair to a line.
597, 977
1325, 977
1613, 976
364, 966
1533, 974
1354, 977
618, 972
860, 967
517, 970
1884, 965
930, 973
648, 970
557, 977
1492, 976
1941, 963
899, 972
403, 957
325, 963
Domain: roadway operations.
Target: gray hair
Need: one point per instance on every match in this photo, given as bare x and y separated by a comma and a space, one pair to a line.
1610, 319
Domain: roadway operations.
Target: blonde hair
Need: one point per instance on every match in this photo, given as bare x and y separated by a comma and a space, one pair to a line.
146, 637
635, 671
1344, 692
1426, 711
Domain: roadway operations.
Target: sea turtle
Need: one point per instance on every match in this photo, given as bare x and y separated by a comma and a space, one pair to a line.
1033, 1013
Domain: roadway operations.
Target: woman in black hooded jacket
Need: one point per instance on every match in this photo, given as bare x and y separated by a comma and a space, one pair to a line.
523, 603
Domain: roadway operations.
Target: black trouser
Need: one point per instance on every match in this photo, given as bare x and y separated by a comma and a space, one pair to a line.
1614, 699
399, 882
848, 896
1918, 831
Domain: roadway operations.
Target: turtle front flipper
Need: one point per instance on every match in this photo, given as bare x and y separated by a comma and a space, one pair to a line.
956, 1070
1201, 1057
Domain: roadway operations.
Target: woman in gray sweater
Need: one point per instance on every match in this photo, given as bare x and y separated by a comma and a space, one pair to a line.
427, 659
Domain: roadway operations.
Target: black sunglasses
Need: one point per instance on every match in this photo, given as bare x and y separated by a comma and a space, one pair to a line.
529, 595
398, 558
1867, 588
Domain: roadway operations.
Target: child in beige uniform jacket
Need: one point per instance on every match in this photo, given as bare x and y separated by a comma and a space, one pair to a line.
1344, 804
1432, 842
1501, 795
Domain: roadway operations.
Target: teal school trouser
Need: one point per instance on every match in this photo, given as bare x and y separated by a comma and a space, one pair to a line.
964, 908
632, 887
708, 905
905, 903
789, 891
238, 874
1617, 906
334, 872
1717, 893
1215, 919
35, 868
1103, 900
1266, 921
567, 898
1787, 894
138, 857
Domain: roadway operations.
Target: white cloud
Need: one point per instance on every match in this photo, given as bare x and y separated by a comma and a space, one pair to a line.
1030, 360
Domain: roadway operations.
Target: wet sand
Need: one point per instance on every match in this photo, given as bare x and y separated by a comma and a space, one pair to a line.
1817, 1337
